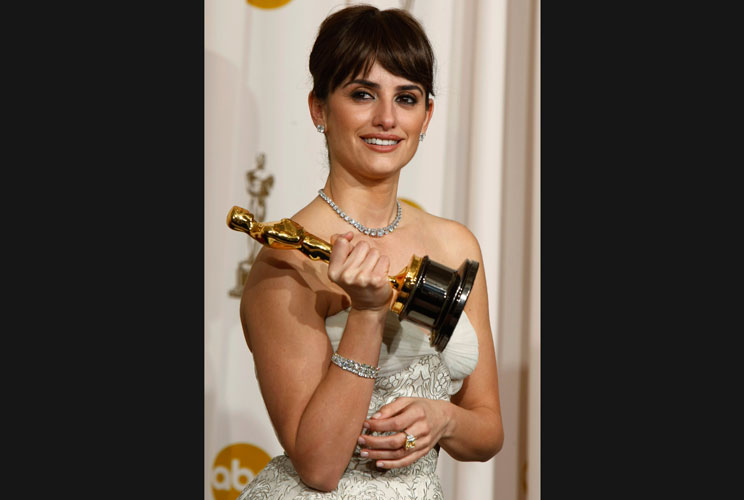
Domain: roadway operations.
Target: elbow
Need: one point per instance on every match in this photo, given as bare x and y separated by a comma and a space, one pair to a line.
490, 447
495, 445
318, 467
320, 482
318, 478
499, 441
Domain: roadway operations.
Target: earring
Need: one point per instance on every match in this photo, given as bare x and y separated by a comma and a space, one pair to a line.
421, 137
320, 128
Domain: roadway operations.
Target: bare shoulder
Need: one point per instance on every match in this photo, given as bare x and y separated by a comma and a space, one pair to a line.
458, 236
447, 240
283, 290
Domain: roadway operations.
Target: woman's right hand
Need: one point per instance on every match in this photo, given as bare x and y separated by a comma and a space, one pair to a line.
361, 271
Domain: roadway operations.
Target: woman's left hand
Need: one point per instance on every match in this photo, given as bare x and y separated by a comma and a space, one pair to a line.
425, 419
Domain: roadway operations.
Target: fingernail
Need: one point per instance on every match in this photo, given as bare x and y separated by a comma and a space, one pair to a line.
380, 464
364, 453
361, 440
365, 425
377, 415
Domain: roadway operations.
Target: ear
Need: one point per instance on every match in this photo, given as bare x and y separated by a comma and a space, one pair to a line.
429, 112
317, 109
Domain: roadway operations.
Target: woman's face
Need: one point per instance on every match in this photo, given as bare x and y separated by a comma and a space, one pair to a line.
373, 122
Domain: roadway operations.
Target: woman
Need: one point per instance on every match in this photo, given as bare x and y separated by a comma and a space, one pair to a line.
361, 403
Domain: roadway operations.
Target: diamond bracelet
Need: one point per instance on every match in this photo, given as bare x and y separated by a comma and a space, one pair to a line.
366, 371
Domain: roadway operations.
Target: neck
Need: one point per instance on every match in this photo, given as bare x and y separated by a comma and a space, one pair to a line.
374, 205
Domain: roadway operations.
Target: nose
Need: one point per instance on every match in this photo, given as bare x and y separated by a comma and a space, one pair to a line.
384, 115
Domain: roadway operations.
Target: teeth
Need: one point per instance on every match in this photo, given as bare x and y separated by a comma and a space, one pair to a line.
380, 142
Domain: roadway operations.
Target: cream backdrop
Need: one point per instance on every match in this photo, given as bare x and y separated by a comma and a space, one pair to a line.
479, 164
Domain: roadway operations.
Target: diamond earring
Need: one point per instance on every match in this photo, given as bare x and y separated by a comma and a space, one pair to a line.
421, 137
320, 128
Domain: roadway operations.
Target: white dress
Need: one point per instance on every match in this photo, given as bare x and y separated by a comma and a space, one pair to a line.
409, 367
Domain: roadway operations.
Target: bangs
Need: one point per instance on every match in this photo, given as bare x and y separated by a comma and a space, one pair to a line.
391, 37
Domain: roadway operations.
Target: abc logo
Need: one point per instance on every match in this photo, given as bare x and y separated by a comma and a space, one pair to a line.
267, 4
234, 467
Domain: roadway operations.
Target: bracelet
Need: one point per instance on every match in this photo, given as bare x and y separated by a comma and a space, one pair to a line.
366, 371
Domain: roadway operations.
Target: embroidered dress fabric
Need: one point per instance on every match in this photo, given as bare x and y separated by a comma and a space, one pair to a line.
409, 367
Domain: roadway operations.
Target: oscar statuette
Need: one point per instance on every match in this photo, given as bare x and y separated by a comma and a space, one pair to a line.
427, 293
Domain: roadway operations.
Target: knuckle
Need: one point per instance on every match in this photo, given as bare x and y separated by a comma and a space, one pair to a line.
339, 244
383, 282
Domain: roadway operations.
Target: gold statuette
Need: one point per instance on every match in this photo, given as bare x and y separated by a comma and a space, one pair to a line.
428, 293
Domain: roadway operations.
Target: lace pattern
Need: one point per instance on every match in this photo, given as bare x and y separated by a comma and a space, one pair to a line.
428, 377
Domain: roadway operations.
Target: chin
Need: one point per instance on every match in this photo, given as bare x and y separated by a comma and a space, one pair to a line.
383, 171
387, 167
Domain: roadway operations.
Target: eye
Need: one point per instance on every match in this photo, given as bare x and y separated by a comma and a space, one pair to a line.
409, 99
361, 95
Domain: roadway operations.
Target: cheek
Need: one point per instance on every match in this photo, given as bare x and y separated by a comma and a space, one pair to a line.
351, 118
416, 122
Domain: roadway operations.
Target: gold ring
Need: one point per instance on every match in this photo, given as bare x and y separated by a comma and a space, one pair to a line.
410, 441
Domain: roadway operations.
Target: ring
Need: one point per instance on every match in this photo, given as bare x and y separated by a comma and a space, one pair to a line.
410, 441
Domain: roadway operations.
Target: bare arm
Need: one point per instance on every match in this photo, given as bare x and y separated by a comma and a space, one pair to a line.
475, 430
316, 407
469, 427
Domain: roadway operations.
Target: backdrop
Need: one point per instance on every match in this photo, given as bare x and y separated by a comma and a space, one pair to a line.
479, 165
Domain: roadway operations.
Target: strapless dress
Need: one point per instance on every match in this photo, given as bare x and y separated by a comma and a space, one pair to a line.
409, 367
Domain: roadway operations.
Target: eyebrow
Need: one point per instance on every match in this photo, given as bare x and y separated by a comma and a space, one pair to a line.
377, 85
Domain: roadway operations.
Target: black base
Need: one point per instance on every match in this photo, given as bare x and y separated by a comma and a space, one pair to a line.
438, 298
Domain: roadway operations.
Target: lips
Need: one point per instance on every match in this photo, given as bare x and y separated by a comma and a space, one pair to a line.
382, 142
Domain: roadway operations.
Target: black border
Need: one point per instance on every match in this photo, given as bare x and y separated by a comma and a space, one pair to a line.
110, 265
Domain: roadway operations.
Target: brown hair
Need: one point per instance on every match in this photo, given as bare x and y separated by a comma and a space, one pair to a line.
352, 39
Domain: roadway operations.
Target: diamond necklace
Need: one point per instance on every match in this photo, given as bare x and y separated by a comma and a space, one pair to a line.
382, 231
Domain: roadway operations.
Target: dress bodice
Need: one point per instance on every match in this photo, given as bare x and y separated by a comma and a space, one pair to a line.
409, 367
405, 342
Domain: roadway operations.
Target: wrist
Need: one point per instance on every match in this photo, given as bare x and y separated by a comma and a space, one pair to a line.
449, 418
381, 309
369, 312
366, 326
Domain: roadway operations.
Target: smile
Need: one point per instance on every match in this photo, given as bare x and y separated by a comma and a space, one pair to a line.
380, 142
